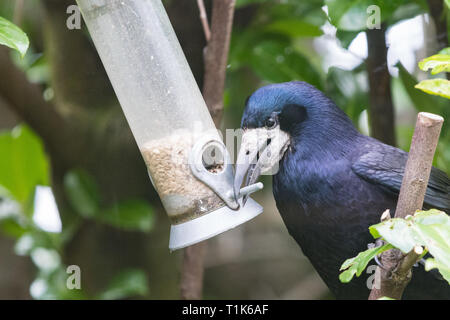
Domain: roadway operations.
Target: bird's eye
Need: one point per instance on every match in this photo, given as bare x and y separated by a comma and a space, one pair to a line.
270, 123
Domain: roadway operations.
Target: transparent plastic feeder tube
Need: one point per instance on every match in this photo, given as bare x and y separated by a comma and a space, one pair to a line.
163, 106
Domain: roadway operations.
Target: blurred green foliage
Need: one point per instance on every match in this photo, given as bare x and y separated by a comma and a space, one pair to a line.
24, 165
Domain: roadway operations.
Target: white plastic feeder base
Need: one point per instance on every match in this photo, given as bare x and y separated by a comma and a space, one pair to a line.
211, 224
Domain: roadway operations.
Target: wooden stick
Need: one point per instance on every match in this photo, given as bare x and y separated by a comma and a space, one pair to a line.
418, 166
216, 57
397, 273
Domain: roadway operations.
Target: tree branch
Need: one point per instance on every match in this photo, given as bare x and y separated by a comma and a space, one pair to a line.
204, 19
26, 100
216, 57
397, 272
381, 108
418, 166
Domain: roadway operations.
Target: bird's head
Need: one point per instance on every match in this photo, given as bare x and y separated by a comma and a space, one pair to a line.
281, 115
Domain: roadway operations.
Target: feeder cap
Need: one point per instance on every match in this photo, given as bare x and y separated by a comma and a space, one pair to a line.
209, 225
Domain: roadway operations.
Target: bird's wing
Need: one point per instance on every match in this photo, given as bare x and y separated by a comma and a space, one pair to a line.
384, 165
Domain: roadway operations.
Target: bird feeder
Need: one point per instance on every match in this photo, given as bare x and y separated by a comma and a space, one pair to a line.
187, 161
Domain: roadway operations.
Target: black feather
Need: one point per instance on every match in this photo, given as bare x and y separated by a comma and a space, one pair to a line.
384, 165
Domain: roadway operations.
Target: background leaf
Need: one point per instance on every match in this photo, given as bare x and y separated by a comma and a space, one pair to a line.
12, 36
130, 215
437, 63
352, 15
23, 164
444, 270
294, 28
129, 283
438, 87
82, 192
421, 100
243, 3
278, 62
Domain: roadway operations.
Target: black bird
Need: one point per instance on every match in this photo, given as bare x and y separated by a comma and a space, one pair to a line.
330, 182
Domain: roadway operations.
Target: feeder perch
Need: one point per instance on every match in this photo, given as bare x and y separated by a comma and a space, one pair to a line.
187, 161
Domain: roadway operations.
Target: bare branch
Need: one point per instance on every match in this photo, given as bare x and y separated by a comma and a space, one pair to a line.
192, 272
418, 166
204, 19
26, 100
397, 267
216, 57
405, 265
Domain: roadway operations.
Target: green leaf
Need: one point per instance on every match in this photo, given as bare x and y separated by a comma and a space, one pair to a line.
426, 228
294, 28
444, 270
46, 260
398, 232
307, 11
347, 15
34, 239
445, 50
84, 198
437, 63
23, 164
130, 215
438, 87
82, 192
12, 228
345, 88
352, 15
346, 37
278, 62
356, 265
421, 100
13, 37
243, 3
128, 284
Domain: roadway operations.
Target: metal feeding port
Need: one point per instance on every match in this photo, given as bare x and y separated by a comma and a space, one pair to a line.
210, 163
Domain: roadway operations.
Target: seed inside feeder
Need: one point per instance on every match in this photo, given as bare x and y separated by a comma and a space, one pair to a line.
184, 197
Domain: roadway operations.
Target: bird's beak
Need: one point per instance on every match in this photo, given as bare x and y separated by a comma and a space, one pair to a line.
261, 150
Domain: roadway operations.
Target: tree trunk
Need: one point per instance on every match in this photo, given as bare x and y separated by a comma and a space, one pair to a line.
381, 108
